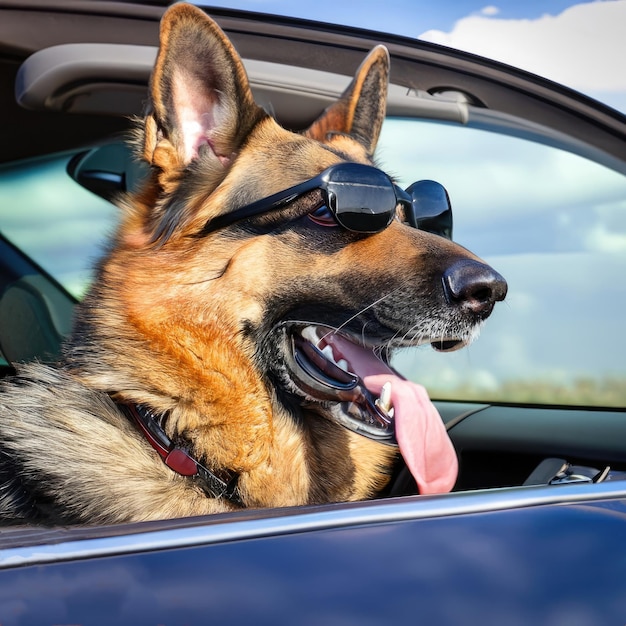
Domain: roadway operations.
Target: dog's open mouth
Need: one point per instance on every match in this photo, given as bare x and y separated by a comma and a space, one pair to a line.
367, 396
330, 366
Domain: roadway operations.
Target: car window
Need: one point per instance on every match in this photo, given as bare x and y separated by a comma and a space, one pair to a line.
554, 224
54, 220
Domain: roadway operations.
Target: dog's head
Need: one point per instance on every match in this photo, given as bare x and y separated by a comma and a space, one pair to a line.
286, 302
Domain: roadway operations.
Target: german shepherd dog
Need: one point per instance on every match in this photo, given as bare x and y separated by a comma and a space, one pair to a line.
232, 350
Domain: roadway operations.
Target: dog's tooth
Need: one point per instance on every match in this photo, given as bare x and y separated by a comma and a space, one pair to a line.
385, 395
328, 353
343, 364
310, 334
384, 400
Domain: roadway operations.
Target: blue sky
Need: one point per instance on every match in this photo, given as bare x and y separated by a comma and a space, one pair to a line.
403, 17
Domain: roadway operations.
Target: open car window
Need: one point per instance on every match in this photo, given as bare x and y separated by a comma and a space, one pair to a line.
554, 224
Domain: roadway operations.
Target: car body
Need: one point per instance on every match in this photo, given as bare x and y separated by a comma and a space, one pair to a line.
537, 176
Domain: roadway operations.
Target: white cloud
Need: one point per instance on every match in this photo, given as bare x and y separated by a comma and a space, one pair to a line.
505, 167
490, 10
583, 47
600, 238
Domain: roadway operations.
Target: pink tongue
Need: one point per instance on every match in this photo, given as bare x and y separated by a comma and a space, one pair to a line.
420, 432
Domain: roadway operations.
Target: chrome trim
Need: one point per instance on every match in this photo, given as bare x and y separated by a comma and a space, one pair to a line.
231, 527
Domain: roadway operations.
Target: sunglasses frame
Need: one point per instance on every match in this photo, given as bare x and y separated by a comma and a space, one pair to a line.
354, 192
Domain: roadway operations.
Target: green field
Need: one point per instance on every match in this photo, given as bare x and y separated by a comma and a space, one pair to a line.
609, 392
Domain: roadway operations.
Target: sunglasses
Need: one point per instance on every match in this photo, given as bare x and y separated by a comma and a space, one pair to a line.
362, 199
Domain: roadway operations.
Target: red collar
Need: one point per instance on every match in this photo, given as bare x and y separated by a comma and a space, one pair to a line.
178, 459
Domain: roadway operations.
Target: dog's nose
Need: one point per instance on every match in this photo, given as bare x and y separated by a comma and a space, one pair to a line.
474, 286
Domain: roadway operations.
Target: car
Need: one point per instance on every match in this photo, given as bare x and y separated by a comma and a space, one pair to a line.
533, 530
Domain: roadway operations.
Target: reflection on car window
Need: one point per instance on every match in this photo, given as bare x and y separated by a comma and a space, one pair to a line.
554, 224
55, 221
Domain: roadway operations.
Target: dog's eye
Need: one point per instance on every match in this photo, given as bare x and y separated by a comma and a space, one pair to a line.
322, 216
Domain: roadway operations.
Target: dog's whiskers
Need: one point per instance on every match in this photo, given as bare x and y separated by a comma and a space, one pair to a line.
360, 312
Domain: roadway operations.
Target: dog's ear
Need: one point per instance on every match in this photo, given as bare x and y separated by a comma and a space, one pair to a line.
360, 110
200, 96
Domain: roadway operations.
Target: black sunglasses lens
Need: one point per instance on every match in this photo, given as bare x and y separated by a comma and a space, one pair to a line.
365, 222
362, 198
430, 209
